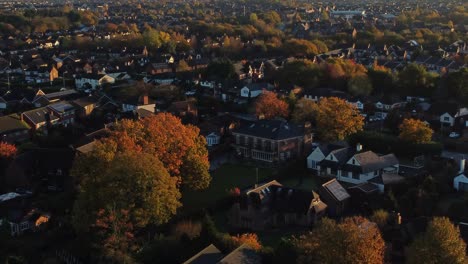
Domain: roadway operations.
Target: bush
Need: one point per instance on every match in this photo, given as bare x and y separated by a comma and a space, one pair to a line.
380, 217
188, 228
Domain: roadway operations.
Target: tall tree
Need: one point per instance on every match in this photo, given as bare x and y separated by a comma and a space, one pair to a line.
415, 80
416, 131
115, 232
441, 243
179, 147
270, 106
354, 240
337, 119
304, 110
130, 180
360, 85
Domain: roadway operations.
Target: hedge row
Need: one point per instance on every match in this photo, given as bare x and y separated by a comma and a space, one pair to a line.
384, 143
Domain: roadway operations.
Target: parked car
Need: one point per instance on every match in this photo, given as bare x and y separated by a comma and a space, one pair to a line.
454, 135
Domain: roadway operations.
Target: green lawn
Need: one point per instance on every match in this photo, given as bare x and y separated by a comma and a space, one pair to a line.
309, 182
224, 179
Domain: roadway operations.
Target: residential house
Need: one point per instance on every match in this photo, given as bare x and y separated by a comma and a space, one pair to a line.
445, 114
253, 90
351, 165
92, 81
335, 196
272, 205
84, 106
185, 110
157, 68
65, 111
31, 220
39, 118
460, 182
13, 129
386, 105
212, 255
142, 102
271, 140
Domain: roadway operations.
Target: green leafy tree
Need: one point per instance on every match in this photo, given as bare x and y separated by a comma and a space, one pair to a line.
441, 243
304, 110
221, 69
360, 85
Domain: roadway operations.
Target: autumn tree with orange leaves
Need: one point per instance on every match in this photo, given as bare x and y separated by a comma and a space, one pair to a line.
7, 150
353, 240
337, 119
415, 131
7, 153
270, 106
115, 232
179, 147
126, 180
250, 239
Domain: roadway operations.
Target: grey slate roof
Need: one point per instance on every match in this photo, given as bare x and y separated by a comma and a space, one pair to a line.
38, 115
11, 123
209, 255
241, 255
271, 129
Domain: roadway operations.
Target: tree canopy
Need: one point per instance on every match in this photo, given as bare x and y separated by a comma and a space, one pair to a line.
353, 240
270, 106
337, 119
416, 131
441, 243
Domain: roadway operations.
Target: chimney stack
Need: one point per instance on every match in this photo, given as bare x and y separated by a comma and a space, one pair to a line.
144, 99
358, 147
462, 165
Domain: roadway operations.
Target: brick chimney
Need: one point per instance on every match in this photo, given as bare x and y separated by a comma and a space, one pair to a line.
144, 99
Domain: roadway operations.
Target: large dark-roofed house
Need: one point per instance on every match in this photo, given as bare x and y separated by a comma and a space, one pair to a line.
271, 140
272, 204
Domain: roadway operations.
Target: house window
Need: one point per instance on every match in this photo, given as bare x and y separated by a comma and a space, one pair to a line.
313, 164
237, 139
353, 162
356, 175
331, 157
376, 173
446, 118
344, 173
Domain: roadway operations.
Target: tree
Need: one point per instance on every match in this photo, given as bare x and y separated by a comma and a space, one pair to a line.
115, 232
360, 85
337, 119
457, 84
221, 69
300, 47
354, 240
179, 147
251, 239
380, 217
126, 179
270, 106
183, 66
415, 131
441, 243
304, 110
7, 150
415, 80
